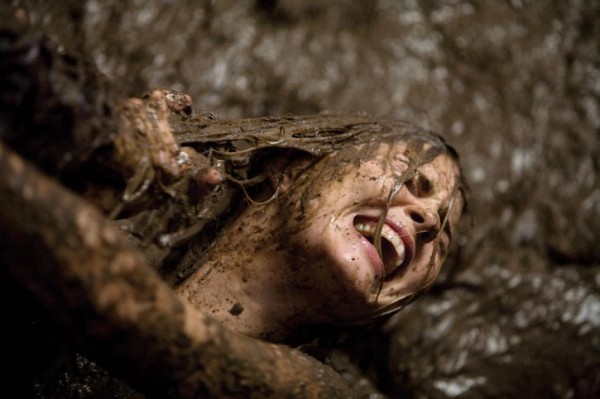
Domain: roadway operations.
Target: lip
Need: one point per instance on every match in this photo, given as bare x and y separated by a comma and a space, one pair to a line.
377, 262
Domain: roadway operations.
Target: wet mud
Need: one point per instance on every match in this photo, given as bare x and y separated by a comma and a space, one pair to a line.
513, 85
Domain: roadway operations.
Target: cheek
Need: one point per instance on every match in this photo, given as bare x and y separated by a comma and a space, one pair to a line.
339, 258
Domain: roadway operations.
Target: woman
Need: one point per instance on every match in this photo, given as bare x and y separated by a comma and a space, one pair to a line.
346, 218
332, 231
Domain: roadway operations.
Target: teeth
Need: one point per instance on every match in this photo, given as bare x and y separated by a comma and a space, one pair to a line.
368, 230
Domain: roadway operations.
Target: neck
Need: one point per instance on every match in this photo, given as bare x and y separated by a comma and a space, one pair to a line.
243, 286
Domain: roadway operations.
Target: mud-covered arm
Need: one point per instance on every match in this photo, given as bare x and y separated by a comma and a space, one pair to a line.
71, 258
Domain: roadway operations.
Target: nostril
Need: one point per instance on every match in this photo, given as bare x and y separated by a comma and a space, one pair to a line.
417, 217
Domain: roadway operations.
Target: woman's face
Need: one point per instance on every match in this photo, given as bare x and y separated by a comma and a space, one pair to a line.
328, 219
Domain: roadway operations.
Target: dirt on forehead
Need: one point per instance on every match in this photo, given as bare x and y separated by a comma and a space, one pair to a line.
512, 85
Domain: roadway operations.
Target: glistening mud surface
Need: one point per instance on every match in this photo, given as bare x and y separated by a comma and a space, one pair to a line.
514, 86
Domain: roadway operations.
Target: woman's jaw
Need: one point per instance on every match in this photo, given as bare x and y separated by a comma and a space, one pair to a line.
377, 274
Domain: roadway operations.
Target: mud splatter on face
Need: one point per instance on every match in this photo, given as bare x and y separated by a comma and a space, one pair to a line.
323, 194
339, 236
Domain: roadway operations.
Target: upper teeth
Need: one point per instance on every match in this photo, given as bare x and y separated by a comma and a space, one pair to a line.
368, 229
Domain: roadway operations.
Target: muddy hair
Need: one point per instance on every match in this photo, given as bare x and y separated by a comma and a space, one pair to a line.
249, 145
254, 153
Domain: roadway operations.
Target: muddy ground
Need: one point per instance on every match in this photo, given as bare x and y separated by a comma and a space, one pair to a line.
514, 85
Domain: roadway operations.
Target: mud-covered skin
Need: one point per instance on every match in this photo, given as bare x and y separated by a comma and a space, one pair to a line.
145, 145
299, 261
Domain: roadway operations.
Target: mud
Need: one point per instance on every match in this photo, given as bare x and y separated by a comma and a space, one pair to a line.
513, 85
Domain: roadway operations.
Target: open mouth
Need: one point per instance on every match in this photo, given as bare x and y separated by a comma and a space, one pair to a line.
393, 248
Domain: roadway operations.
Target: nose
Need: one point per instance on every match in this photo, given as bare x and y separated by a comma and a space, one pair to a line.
427, 223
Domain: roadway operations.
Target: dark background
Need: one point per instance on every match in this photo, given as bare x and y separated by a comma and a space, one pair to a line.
513, 85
